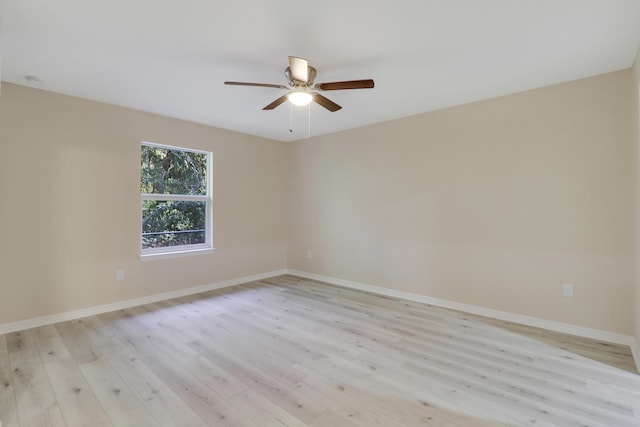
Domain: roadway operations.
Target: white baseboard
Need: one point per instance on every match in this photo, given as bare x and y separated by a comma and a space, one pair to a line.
486, 312
91, 311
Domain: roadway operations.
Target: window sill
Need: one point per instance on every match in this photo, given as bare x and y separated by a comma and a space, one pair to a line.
176, 254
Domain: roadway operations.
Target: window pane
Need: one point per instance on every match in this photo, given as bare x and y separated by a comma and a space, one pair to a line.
167, 171
171, 223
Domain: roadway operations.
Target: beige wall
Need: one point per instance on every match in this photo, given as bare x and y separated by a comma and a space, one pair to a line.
635, 92
1, 47
495, 204
69, 213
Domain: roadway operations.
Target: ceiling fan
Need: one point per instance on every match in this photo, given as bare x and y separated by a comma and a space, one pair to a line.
303, 90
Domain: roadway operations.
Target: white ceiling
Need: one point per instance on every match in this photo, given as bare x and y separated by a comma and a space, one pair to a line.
172, 57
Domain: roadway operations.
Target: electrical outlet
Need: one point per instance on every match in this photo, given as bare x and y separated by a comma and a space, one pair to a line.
309, 253
567, 290
119, 277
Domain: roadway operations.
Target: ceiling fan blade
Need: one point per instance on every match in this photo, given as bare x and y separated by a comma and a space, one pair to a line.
299, 69
256, 84
276, 103
351, 84
326, 102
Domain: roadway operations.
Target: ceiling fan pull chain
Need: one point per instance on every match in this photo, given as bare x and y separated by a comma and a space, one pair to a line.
290, 117
309, 121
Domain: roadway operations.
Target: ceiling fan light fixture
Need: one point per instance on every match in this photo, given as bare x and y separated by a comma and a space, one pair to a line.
301, 89
300, 98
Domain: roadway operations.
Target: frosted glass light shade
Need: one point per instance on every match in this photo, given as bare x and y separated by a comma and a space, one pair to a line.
300, 98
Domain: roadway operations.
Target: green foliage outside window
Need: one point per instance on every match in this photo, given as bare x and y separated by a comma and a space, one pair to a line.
167, 222
171, 171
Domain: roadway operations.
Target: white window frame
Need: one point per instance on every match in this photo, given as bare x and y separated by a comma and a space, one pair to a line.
183, 250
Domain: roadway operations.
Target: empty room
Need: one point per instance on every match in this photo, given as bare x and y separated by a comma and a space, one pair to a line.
324, 214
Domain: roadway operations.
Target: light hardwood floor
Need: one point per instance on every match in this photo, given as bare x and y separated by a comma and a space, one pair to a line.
294, 352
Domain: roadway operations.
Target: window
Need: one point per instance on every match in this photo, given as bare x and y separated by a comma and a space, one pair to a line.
175, 188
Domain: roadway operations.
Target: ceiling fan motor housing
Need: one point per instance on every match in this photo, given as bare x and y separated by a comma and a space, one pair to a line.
297, 83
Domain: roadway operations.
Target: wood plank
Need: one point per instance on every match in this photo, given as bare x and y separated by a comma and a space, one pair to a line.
49, 343
167, 409
78, 403
115, 396
373, 408
8, 408
199, 397
80, 348
262, 411
331, 419
35, 400
262, 382
22, 342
